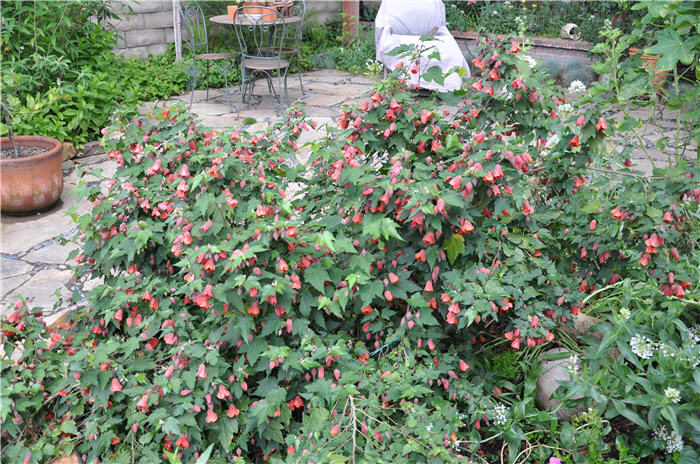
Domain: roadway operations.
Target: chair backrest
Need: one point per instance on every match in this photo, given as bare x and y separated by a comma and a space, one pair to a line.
260, 32
195, 26
294, 31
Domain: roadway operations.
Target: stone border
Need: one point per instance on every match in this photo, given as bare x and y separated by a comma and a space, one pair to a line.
543, 42
561, 50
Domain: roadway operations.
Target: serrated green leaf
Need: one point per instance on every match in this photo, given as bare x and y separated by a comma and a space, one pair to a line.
454, 247
672, 49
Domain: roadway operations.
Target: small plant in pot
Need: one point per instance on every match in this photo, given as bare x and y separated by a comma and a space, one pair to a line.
31, 178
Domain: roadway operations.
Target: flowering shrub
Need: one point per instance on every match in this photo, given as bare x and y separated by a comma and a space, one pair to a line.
312, 313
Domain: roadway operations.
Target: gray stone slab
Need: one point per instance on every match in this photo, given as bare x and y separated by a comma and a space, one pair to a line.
321, 111
144, 37
210, 109
52, 254
41, 289
324, 100
13, 267
21, 233
8, 285
219, 122
162, 19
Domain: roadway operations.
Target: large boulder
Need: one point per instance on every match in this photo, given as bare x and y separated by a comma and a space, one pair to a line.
554, 372
582, 324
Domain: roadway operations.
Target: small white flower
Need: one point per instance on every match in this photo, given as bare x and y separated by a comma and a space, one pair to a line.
673, 394
577, 86
625, 313
674, 442
573, 365
566, 109
695, 333
495, 12
500, 412
552, 141
531, 63
429, 427
642, 346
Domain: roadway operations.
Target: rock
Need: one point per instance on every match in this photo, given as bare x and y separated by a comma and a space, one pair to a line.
72, 459
91, 149
582, 323
68, 151
554, 372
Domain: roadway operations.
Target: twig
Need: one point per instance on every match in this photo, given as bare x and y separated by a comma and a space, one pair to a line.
354, 426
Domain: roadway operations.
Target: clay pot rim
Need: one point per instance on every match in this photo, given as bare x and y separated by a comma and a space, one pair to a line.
54, 145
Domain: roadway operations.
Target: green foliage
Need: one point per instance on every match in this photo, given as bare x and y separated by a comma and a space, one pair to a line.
538, 18
505, 365
155, 78
631, 82
255, 309
57, 66
355, 56
653, 381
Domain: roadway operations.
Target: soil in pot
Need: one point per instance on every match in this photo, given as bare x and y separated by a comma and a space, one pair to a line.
22, 152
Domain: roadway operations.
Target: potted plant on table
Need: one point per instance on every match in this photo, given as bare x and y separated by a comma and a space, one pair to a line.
31, 175
233, 6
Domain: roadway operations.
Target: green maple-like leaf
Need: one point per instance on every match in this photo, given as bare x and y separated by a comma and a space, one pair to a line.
454, 247
317, 276
673, 49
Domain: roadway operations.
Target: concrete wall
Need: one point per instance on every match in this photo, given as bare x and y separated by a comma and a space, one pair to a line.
323, 10
150, 29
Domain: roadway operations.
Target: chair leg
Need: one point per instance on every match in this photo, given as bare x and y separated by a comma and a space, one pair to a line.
299, 70
230, 104
194, 84
207, 81
243, 87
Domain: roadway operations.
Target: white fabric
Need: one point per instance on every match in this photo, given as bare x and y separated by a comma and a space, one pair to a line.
403, 22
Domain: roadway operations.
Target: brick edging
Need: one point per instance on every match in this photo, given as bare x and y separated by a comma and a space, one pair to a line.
546, 42
564, 44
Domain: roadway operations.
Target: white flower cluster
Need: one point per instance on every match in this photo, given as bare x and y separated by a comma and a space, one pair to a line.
573, 365
550, 144
689, 352
674, 442
500, 412
577, 86
531, 63
565, 109
695, 333
625, 314
673, 394
552, 141
642, 346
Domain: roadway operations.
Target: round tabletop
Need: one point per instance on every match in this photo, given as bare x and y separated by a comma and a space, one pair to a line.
223, 19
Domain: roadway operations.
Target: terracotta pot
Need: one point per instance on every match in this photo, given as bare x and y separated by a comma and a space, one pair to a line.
254, 7
33, 183
232, 11
649, 61
269, 15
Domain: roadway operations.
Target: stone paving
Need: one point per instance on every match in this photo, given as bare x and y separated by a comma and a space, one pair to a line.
34, 249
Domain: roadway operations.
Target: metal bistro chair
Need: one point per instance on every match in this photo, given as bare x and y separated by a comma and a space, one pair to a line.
196, 30
260, 41
293, 35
